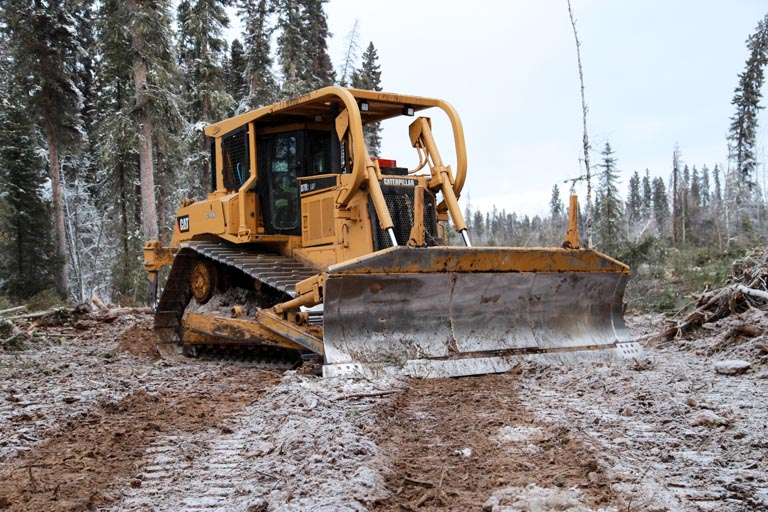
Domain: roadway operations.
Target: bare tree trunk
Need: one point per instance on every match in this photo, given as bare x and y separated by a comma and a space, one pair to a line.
726, 199
123, 206
162, 187
146, 167
204, 147
675, 196
717, 227
58, 211
584, 111
73, 225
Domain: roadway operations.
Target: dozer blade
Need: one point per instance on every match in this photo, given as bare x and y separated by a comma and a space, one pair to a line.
440, 312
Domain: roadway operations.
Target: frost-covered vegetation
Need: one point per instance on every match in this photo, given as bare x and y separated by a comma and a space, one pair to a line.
102, 110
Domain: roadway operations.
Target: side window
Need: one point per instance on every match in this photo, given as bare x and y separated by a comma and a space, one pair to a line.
283, 191
237, 165
213, 165
319, 153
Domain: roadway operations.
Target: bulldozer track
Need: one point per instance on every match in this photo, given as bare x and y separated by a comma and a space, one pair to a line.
278, 272
211, 481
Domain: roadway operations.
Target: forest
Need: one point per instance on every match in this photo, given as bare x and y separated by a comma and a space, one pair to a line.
102, 110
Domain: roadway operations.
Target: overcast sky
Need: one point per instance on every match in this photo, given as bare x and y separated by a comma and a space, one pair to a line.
658, 73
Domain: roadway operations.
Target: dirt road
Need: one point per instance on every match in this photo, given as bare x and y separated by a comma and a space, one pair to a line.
91, 422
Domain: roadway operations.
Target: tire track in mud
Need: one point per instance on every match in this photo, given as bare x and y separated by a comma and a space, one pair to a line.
87, 464
451, 444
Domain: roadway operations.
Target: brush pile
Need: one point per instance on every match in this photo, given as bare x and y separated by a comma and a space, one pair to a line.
745, 290
18, 327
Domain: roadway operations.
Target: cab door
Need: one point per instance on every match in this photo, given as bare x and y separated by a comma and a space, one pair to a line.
280, 163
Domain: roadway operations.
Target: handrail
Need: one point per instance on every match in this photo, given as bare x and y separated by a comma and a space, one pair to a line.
459, 143
349, 98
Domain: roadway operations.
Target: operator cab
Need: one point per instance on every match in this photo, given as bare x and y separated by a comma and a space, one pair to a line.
282, 158
298, 153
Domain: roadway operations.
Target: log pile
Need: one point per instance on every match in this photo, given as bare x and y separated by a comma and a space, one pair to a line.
746, 288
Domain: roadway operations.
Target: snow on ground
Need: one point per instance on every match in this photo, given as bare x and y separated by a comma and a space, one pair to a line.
674, 434
57, 382
87, 425
533, 498
302, 445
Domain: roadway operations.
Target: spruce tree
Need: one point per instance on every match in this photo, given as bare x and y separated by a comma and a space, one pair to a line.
319, 72
28, 261
236, 84
152, 60
705, 185
291, 50
609, 218
117, 142
647, 194
556, 218
555, 203
746, 99
137, 133
478, 223
259, 79
660, 206
634, 199
717, 196
201, 52
694, 197
45, 48
693, 206
302, 46
368, 77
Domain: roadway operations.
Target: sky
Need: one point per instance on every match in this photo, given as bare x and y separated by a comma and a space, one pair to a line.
657, 74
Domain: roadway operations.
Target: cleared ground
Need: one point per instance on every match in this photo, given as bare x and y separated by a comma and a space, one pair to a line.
91, 421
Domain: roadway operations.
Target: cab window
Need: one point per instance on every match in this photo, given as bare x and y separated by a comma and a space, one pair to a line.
236, 164
283, 166
318, 153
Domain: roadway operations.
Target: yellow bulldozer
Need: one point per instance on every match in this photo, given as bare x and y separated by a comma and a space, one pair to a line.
307, 246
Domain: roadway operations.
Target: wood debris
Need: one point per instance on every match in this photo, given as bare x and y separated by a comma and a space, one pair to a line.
747, 288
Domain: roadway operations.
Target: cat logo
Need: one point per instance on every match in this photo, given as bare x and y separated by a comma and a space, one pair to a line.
183, 223
400, 182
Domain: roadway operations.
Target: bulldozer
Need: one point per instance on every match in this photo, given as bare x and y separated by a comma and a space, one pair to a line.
308, 247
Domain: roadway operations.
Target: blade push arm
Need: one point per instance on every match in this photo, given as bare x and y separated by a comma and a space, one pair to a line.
442, 178
367, 169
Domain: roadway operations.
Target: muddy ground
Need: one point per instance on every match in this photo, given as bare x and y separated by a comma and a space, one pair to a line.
91, 420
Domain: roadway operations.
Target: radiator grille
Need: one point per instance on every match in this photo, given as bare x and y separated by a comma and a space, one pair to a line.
400, 204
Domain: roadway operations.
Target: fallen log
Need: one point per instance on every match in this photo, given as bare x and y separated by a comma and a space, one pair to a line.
111, 314
751, 291
40, 314
13, 310
99, 304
